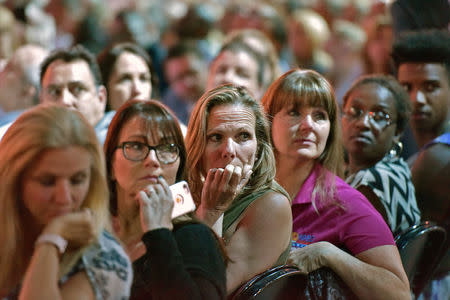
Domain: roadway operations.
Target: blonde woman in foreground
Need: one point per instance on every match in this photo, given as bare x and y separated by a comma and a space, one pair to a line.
54, 211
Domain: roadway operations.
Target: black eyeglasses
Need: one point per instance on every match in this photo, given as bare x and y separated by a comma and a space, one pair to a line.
379, 119
137, 151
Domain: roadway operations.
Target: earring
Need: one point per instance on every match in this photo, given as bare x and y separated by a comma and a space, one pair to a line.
396, 149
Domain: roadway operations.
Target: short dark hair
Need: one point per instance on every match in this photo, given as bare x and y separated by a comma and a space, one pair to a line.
401, 97
182, 49
108, 57
77, 52
238, 46
425, 46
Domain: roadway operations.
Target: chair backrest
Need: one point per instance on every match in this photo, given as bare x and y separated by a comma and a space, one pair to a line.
281, 282
421, 248
286, 282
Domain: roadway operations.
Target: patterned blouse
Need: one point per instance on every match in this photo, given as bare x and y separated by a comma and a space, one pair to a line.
108, 269
390, 180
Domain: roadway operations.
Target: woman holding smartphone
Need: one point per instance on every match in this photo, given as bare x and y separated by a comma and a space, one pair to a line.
145, 154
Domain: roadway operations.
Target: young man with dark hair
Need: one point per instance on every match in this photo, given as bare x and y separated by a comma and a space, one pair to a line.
423, 68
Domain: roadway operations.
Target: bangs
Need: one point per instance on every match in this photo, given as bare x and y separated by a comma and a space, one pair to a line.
161, 126
299, 91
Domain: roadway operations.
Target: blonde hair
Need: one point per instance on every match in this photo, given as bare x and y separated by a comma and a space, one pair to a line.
264, 168
8, 27
265, 48
315, 26
37, 130
318, 33
307, 87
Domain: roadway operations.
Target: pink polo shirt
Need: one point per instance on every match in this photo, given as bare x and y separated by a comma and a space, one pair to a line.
355, 228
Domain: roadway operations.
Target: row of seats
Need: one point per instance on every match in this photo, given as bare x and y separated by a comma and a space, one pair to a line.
423, 248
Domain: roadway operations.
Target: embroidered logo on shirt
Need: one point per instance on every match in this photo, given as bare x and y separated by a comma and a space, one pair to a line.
301, 240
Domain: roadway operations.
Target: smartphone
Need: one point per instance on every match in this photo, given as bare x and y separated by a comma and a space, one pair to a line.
182, 199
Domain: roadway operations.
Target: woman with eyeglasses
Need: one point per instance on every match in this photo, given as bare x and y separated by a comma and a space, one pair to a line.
334, 225
376, 111
172, 259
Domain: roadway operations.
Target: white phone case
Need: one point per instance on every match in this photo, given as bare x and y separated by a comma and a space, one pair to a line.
182, 198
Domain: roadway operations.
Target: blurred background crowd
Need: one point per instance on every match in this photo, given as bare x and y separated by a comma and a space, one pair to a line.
341, 39
179, 51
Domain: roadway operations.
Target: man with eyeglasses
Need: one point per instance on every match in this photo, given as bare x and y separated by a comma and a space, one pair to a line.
423, 68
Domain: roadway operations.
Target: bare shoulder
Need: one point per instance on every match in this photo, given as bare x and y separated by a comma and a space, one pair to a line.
430, 176
433, 162
272, 205
435, 156
274, 200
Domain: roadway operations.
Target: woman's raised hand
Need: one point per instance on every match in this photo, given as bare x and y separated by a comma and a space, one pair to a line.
223, 185
77, 228
156, 205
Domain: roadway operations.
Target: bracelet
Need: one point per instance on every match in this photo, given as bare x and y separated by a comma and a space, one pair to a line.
58, 241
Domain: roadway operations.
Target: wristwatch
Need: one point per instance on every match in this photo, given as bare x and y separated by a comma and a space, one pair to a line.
58, 241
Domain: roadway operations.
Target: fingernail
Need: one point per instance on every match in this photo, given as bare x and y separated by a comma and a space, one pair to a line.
160, 177
238, 170
230, 168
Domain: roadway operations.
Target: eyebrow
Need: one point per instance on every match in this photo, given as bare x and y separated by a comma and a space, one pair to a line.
360, 102
38, 174
137, 136
79, 83
68, 83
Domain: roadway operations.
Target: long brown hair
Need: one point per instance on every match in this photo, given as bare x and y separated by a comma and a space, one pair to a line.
159, 118
307, 87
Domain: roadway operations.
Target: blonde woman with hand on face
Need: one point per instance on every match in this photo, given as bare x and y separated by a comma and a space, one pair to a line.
334, 225
232, 172
54, 211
